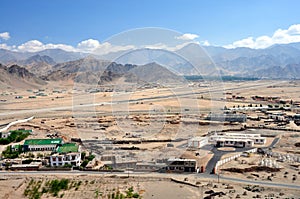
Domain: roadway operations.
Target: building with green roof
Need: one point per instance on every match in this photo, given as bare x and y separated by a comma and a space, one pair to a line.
67, 154
42, 144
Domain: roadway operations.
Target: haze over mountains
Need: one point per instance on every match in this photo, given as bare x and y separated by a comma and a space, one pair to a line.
281, 61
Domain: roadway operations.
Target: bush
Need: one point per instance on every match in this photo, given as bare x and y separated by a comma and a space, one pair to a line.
15, 136
84, 163
8, 153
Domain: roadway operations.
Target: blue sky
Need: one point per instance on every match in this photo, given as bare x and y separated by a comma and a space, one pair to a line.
69, 22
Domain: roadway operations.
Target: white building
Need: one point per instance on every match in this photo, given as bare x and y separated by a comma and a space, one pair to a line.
233, 142
255, 138
67, 154
73, 159
197, 142
4, 135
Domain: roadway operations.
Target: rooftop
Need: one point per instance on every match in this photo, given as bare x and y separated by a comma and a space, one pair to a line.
179, 159
43, 141
68, 148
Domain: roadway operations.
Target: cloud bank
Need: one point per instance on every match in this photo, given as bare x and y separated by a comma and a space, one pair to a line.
94, 46
280, 36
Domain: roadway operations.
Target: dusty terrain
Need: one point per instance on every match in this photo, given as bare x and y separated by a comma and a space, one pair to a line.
154, 186
158, 113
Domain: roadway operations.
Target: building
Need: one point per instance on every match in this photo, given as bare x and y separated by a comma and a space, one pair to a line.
67, 154
34, 166
42, 144
180, 165
197, 142
227, 117
234, 142
4, 135
149, 166
256, 138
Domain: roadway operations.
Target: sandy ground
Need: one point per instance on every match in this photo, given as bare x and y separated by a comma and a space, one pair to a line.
288, 170
149, 187
152, 113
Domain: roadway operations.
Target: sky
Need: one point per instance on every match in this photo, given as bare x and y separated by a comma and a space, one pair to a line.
85, 25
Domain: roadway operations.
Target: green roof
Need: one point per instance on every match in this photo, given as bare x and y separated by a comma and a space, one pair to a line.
68, 148
43, 141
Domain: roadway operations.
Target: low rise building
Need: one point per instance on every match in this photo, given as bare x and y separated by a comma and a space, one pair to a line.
149, 166
237, 140
42, 144
234, 142
4, 135
67, 154
178, 165
197, 142
255, 138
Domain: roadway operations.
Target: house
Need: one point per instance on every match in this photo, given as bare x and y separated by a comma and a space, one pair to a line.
4, 135
42, 144
67, 154
178, 165
197, 142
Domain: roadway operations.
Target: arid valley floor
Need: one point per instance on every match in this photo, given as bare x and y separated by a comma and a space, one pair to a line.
156, 124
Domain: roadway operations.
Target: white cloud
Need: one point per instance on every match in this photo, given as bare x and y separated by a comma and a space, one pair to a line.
187, 36
280, 36
4, 35
6, 47
35, 45
88, 45
170, 48
94, 46
205, 43
156, 46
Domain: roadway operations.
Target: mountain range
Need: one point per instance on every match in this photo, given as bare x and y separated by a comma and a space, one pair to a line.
280, 61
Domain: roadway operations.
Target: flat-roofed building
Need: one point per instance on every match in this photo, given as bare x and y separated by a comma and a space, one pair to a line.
42, 144
67, 154
255, 138
197, 142
234, 142
180, 165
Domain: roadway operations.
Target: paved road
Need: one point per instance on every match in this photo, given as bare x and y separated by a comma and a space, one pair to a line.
145, 174
217, 156
275, 141
263, 183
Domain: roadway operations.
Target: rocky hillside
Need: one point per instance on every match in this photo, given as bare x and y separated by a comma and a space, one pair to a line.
16, 76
